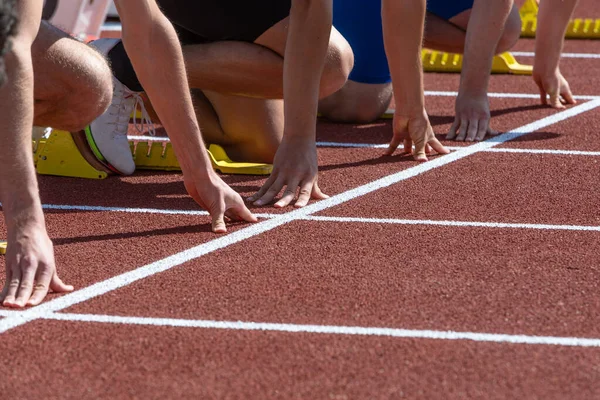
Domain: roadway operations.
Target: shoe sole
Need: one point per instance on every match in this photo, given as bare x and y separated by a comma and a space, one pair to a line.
81, 142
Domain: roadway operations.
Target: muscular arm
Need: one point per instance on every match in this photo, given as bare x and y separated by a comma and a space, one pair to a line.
30, 268
295, 165
403, 22
484, 30
308, 39
553, 19
18, 184
155, 52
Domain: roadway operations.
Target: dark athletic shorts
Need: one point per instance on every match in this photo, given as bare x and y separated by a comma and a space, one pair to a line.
203, 21
359, 21
206, 21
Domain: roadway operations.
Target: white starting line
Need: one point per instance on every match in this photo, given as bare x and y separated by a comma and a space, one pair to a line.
50, 308
390, 221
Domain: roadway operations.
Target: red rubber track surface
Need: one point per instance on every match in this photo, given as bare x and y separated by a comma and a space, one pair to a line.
516, 281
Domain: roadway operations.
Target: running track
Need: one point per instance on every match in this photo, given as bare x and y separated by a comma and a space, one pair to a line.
474, 275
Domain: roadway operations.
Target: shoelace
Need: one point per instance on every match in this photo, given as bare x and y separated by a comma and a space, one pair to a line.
145, 120
123, 113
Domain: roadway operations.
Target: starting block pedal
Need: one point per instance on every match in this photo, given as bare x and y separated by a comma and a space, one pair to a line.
438, 61
578, 28
159, 155
2, 247
60, 155
67, 154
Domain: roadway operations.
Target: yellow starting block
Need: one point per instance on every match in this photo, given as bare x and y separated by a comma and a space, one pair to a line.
578, 28
438, 61
2, 247
160, 156
59, 155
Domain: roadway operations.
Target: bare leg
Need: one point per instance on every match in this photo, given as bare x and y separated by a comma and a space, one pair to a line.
72, 82
256, 69
249, 129
357, 102
450, 35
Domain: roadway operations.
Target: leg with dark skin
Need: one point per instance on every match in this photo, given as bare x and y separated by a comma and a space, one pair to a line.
362, 103
72, 82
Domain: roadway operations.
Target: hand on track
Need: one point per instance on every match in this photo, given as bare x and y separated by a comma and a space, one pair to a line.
295, 167
30, 268
472, 120
218, 199
555, 86
415, 130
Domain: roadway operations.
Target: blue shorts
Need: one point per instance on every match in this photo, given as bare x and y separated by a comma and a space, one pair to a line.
359, 21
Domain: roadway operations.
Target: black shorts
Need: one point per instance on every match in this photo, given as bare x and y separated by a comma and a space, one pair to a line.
204, 21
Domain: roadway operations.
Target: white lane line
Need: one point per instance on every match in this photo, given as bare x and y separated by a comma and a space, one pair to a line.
66, 207
546, 151
259, 228
435, 93
563, 55
471, 224
396, 221
491, 150
7, 313
329, 329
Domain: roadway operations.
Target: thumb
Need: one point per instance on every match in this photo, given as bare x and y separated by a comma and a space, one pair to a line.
242, 212
58, 286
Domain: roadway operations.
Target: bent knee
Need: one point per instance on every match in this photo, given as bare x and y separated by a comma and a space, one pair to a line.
511, 33
338, 64
90, 93
357, 103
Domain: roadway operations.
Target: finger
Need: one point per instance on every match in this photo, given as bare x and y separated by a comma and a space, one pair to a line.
472, 131
13, 287
462, 130
408, 145
6, 284
482, 130
42, 284
428, 149
419, 153
288, 195
317, 194
393, 145
568, 96
491, 131
555, 100
452, 133
437, 146
543, 96
218, 218
28, 268
58, 286
305, 193
271, 193
263, 189
240, 209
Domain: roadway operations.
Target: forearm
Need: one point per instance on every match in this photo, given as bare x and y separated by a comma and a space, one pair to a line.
157, 58
18, 183
484, 30
403, 23
306, 48
553, 19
